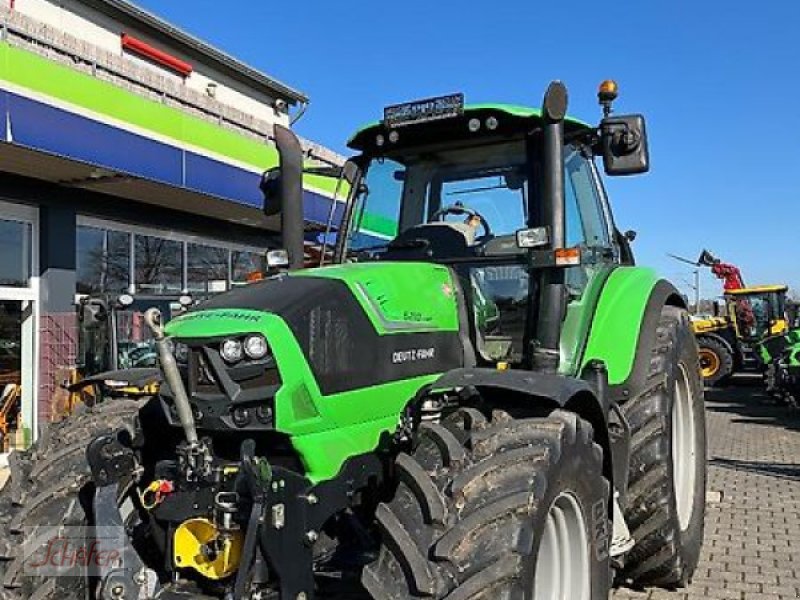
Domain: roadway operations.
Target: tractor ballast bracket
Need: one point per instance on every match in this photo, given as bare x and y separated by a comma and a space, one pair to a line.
113, 464
293, 513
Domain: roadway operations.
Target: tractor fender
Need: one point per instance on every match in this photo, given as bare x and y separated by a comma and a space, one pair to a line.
624, 327
515, 388
551, 388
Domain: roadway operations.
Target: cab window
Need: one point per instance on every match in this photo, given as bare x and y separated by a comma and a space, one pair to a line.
586, 221
586, 224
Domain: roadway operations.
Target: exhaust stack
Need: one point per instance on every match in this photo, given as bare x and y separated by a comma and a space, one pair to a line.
546, 354
287, 199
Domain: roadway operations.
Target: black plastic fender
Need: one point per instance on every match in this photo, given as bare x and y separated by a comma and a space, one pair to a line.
587, 397
557, 389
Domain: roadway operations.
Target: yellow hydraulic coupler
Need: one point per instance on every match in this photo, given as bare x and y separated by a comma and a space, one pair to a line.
199, 545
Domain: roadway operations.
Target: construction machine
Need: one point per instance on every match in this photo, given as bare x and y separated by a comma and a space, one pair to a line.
481, 398
113, 337
749, 335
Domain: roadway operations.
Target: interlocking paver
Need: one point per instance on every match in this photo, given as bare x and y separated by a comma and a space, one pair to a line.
752, 536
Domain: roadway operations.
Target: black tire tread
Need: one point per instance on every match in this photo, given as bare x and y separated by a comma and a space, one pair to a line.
489, 490
656, 559
43, 491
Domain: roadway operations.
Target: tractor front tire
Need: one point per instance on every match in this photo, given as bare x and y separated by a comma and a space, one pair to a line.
716, 361
46, 492
665, 503
500, 508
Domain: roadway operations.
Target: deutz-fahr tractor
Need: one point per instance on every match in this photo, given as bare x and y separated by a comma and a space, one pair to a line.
482, 398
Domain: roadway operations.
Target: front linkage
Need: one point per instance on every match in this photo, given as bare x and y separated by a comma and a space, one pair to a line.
286, 514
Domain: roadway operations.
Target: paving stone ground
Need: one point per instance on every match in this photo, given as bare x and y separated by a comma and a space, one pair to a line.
752, 536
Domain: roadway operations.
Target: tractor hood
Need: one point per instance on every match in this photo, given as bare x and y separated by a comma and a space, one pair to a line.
394, 297
348, 345
356, 325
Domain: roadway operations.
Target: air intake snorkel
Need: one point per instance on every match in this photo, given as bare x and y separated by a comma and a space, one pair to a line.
546, 353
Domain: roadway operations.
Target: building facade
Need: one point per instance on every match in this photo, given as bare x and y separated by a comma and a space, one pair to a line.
130, 158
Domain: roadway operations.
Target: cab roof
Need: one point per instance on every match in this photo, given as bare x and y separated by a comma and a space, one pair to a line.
758, 289
512, 117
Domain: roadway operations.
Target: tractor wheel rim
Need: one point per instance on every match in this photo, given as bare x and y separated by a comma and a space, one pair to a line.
709, 363
684, 447
563, 565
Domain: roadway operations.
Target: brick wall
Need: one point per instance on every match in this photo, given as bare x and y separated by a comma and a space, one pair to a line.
58, 339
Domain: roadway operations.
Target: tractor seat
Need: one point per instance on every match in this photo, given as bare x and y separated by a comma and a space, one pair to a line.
433, 241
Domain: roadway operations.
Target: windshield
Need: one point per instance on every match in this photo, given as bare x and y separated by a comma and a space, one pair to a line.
484, 189
757, 313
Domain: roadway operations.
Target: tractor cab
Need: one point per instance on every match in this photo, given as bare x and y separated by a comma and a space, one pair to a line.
758, 312
465, 186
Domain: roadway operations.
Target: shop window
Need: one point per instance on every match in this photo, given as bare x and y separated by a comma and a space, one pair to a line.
103, 261
159, 265
245, 265
15, 253
206, 269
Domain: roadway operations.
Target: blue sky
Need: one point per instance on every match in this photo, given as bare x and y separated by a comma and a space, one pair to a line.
717, 80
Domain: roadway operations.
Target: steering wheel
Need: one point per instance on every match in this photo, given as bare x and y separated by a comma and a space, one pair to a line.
460, 210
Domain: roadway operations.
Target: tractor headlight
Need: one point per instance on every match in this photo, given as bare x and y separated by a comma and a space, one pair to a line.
255, 347
231, 351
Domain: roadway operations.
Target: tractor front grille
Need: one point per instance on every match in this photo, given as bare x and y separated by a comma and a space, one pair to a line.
236, 397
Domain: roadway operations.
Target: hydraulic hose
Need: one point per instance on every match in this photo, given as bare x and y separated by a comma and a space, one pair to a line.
172, 376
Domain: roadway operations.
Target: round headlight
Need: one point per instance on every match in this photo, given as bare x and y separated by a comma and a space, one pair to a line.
255, 346
181, 352
231, 351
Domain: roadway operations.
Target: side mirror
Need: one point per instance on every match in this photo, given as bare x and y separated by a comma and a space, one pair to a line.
624, 144
93, 312
271, 189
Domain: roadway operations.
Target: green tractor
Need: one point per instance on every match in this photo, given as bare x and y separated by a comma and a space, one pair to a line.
483, 398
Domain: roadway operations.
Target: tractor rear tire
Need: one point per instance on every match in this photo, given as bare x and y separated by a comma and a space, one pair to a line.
665, 503
46, 490
716, 361
491, 509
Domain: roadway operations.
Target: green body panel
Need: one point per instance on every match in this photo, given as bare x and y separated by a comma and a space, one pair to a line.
62, 83
618, 320
404, 298
763, 354
399, 297
579, 318
790, 351
512, 110
793, 356
327, 429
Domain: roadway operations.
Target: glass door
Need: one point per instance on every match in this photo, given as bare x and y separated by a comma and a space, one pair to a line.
18, 326
12, 432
